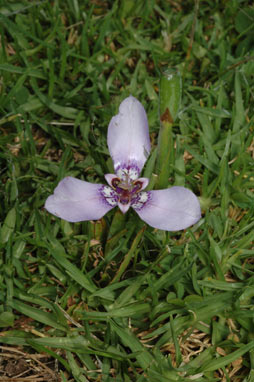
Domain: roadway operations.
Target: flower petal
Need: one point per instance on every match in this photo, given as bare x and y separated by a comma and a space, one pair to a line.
75, 200
172, 209
124, 207
128, 136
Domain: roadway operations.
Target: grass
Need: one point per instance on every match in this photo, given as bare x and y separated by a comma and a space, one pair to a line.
116, 300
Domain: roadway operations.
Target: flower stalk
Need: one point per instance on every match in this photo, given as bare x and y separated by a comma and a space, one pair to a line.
170, 100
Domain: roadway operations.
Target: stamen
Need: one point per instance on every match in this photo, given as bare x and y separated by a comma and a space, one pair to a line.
137, 186
115, 182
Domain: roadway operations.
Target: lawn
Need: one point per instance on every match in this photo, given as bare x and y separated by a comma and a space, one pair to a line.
116, 300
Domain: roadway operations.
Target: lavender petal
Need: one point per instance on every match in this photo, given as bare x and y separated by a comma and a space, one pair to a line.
128, 136
75, 200
171, 209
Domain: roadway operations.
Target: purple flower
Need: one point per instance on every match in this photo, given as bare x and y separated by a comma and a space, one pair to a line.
171, 209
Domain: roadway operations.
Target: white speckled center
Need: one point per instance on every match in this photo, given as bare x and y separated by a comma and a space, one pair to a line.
126, 190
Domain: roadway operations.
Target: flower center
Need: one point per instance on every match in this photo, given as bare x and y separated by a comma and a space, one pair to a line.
126, 189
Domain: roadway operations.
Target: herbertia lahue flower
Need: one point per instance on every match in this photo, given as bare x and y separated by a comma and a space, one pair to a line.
171, 209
